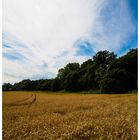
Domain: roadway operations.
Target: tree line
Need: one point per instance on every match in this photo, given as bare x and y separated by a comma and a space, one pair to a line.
104, 72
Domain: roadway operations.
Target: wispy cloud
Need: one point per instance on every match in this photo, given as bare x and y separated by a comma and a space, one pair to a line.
45, 33
114, 26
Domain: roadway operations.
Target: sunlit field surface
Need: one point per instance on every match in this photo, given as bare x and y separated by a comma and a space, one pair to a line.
60, 116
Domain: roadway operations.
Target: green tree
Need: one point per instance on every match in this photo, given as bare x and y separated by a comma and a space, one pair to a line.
121, 75
64, 72
116, 81
101, 62
23, 85
6, 87
56, 85
72, 81
104, 57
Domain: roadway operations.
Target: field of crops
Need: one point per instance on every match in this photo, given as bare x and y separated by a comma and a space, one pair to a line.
51, 116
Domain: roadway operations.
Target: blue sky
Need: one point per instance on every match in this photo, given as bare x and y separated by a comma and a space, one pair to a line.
51, 33
133, 42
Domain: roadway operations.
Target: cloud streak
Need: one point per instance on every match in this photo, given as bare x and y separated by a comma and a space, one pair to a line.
45, 32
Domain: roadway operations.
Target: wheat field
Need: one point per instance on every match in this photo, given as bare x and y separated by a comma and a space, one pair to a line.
60, 116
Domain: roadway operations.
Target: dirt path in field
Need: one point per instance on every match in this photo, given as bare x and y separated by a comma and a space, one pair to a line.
27, 101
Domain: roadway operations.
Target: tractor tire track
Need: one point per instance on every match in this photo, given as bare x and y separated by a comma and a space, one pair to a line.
23, 102
33, 101
23, 99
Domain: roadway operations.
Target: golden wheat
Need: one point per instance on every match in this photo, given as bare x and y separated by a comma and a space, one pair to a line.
53, 116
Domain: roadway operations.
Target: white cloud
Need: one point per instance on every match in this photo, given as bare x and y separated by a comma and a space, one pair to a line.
114, 27
44, 32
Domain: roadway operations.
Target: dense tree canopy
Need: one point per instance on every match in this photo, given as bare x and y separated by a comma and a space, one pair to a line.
105, 72
6, 87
